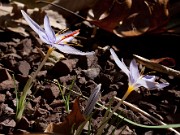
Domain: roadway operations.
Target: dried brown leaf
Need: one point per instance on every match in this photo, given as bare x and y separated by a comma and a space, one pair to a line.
166, 61
72, 5
32, 3
73, 120
129, 18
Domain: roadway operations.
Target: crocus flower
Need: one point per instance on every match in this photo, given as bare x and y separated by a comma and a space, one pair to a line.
134, 78
135, 81
48, 36
92, 100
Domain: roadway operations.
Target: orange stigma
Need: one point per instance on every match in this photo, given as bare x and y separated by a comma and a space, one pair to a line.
69, 35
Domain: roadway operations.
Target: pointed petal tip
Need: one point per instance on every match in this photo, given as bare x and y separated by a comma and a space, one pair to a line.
23, 13
111, 50
90, 53
92, 100
100, 85
46, 18
119, 63
162, 85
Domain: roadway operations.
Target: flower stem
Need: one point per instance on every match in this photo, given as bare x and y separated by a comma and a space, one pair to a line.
129, 90
27, 87
105, 120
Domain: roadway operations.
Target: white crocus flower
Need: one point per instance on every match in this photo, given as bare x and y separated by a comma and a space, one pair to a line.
134, 78
48, 36
135, 81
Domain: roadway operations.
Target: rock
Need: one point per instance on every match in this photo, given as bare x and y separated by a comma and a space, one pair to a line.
40, 111
51, 92
25, 47
87, 61
8, 122
62, 68
2, 98
10, 60
7, 85
24, 67
23, 123
92, 72
5, 74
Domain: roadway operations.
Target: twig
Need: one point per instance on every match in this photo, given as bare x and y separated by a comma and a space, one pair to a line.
65, 9
157, 67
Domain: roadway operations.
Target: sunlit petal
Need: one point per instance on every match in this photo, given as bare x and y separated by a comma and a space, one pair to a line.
49, 30
162, 85
32, 23
71, 50
134, 71
48, 36
135, 80
44, 38
149, 78
150, 83
146, 84
120, 64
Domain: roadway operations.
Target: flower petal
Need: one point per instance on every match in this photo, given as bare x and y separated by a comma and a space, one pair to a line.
44, 38
49, 31
40, 31
149, 83
145, 83
71, 50
134, 71
32, 23
162, 85
149, 78
92, 100
120, 64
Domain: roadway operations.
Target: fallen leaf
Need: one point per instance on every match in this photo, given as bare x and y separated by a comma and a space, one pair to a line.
124, 18
73, 120
7, 16
32, 3
129, 18
72, 5
166, 61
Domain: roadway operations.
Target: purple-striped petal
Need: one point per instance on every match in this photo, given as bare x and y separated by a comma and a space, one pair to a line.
32, 23
49, 31
40, 31
147, 84
44, 38
149, 78
150, 83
